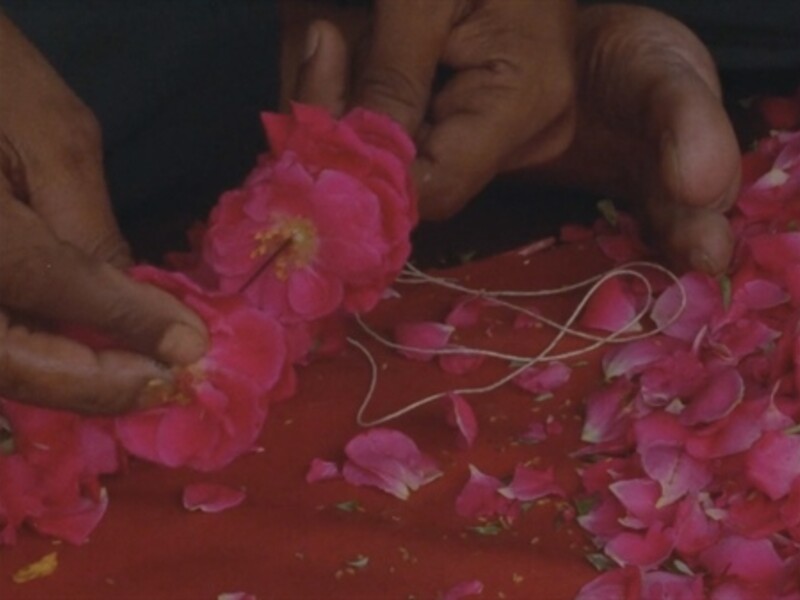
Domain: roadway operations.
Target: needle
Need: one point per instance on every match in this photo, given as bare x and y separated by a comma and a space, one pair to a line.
263, 266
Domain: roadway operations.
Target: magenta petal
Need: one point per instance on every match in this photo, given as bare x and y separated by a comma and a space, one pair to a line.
773, 463
466, 312
389, 460
723, 393
73, 524
211, 497
313, 295
531, 484
322, 470
677, 472
629, 359
462, 416
663, 585
479, 497
617, 584
607, 413
752, 560
639, 498
611, 308
646, 550
236, 596
694, 529
464, 589
419, 337
703, 299
538, 379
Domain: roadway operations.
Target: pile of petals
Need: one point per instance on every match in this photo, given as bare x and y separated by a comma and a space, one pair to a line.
693, 485
320, 228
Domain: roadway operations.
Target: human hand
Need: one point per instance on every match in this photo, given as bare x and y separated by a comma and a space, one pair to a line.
58, 242
651, 128
508, 87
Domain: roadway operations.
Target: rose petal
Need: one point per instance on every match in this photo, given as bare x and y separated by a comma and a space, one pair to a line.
211, 497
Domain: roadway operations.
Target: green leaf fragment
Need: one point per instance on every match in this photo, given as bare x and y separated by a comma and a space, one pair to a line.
725, 288
350, 506
600, 561
488, 529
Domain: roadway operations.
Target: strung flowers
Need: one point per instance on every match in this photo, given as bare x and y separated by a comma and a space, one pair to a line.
320, 226
332, 202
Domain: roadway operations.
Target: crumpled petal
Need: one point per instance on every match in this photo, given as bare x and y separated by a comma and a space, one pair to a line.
463, 418
389, 460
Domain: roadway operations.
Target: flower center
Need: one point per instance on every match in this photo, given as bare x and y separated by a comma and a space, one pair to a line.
301, 249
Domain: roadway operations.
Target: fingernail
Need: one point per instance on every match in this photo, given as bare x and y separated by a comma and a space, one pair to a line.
312, 42
669, 149
182, 345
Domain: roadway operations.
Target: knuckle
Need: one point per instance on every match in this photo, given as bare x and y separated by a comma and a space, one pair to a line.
393, 91
80, 145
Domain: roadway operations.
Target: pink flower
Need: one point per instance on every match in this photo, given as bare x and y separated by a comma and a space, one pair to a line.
389, 460
50, 478
330, 210
219, 404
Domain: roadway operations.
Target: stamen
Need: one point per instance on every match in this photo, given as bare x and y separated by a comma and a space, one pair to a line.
263, 266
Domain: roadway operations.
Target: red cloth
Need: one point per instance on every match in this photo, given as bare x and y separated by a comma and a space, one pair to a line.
289, 540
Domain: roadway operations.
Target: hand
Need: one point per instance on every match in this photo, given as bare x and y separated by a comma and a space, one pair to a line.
509, 89
58, 241
652, 129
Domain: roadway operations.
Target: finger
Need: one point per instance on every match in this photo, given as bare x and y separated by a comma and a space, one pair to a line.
58, 140
512, 92
407, 41
692, 238
322, 79
650, 75
45, 277
462, 152
47, 370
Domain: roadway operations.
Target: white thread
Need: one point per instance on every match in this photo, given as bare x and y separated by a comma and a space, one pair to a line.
526, 361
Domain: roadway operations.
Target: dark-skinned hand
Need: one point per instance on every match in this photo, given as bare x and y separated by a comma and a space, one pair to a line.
60, 255
650, 124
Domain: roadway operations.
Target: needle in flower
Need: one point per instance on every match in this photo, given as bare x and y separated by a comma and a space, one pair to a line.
263, 266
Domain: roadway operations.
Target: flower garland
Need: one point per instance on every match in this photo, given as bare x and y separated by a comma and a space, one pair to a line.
320, 227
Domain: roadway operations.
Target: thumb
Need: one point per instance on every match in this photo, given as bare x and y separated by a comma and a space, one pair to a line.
45, 277
406, 44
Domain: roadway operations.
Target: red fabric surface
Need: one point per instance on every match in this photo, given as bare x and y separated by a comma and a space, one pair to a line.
289, 540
